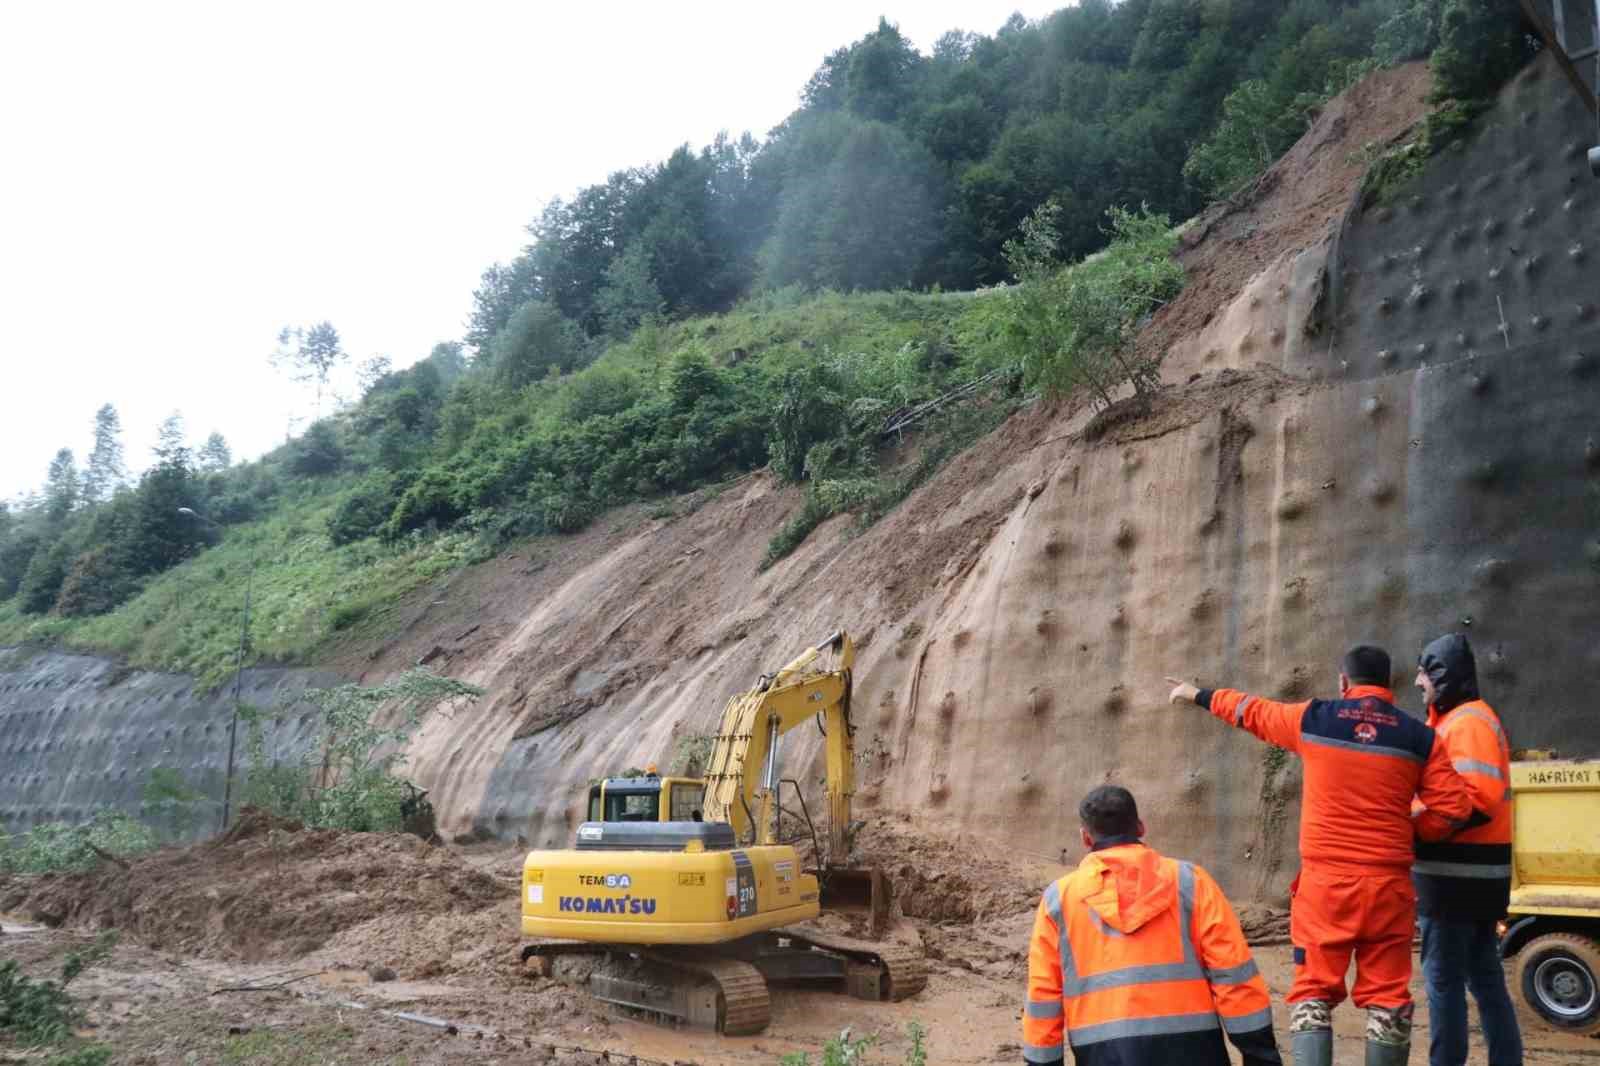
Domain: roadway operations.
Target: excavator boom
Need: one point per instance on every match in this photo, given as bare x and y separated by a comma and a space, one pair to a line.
743, 772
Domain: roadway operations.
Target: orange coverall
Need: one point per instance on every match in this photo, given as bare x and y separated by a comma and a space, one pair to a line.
1364, 761
1139, 959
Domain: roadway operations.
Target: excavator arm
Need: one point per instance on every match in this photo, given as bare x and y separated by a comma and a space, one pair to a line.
743, 771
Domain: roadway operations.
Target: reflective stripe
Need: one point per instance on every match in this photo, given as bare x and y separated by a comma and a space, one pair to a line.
1238, 712
1485, 718
1460, 869
1187, 970
1233, 975
1248, 1023
1043, 1053
1473, 766
1369, 749
1162, 1026
1049, 1009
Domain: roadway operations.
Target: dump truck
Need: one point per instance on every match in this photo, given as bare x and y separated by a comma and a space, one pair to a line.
1552, 928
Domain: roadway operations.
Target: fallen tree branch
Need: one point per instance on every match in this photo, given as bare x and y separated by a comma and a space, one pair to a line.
107, 856
268, 988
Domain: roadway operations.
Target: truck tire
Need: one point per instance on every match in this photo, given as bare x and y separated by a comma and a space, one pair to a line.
1558, 975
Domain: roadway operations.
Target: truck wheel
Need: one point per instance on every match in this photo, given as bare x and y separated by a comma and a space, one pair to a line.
1559, 976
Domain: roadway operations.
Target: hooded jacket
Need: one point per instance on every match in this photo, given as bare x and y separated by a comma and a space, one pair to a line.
1467, 877
1138, 959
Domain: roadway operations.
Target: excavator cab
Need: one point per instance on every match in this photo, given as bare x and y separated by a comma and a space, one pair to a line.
646, 799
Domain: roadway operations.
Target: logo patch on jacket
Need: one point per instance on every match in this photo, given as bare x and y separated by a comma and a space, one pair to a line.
1366, 732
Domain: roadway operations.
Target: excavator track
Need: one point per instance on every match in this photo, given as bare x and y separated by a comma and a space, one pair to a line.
743, 1006
905, 967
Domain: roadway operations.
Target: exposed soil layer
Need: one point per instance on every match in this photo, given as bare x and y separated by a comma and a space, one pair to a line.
1296, 204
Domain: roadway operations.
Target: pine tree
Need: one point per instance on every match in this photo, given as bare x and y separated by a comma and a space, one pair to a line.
61, 488
215, 455
105, 473
171, 449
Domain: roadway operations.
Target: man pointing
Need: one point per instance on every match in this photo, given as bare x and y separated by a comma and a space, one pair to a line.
1364, 760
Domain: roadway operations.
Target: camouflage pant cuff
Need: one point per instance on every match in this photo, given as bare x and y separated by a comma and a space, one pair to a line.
1309, 1014
1390, 1025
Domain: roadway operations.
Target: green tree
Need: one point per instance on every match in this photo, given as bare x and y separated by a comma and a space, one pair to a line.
105, 472
371, 371
62, 492
317, 453
630, 295
41, 583
215, 455
310, 354
17, 549
172, 443
534, 341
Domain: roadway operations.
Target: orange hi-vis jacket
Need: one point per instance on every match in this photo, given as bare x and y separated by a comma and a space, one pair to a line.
1365, 760
1468, 876
1138, 960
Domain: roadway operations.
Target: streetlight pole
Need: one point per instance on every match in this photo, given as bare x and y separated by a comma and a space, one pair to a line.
238, 674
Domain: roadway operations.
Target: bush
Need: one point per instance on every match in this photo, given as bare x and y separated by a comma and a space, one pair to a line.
47, 570
317, 453
365, 509
1481, 44
56, 846
1070, 329
37, 1012
348, 778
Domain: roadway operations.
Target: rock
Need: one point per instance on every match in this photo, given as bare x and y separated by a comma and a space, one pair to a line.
380, 973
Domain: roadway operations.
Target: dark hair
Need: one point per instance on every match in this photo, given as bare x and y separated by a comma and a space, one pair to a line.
1109, 811
1368, 664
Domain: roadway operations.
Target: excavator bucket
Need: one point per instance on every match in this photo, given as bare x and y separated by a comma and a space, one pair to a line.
857, 890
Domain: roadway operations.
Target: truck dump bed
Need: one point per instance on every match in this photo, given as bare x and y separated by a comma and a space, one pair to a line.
1556, 845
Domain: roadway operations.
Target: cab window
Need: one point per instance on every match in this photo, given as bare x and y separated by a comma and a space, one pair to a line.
636, 807
686, 800
594, 804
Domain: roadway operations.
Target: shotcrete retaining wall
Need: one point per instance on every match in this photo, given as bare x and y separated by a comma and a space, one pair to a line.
79, 733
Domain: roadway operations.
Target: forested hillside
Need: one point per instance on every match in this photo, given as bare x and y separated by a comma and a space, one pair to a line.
786, 300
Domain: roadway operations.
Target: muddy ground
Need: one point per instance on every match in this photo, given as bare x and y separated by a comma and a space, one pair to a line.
356, 929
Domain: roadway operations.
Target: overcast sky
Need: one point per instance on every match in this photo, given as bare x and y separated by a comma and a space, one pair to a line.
183, 180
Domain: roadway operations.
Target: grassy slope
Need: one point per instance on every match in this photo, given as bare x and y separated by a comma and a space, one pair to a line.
304, 590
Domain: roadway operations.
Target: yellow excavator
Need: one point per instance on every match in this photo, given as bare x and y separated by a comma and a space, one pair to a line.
683, 886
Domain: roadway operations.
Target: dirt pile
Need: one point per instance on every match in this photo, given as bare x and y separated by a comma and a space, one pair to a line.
940, 880
269, 889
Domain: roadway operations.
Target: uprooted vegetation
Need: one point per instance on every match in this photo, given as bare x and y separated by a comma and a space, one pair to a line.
38, 1012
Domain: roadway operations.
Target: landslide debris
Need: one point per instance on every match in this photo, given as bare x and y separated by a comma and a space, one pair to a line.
267, 889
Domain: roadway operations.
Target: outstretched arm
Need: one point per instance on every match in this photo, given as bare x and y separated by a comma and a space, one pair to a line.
1275, 723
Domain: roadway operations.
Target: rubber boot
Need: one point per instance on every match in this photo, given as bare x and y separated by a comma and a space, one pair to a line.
1387, 1054
1389, 1035
1311, 1032
1312, 1047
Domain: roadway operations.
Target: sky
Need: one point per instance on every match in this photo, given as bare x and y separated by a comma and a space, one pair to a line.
183, 180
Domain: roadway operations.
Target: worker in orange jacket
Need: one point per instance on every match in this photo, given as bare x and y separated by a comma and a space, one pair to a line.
1464, 883
1364, 760
1137, 959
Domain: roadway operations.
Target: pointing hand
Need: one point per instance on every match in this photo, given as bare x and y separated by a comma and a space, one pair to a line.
1183, 693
